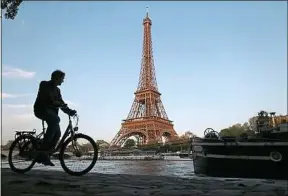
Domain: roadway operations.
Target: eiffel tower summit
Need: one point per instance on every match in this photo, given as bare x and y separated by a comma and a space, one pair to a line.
147, 119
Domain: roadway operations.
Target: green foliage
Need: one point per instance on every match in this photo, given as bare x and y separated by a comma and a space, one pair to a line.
174, 147
102, 144
187, 135
153, 146
7, 145
235, 130
129, 143
165, 148
253, 123
248, 128
10, 8
99, 142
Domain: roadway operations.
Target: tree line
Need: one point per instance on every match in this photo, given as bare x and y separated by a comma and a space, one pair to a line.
249, 128
130, 143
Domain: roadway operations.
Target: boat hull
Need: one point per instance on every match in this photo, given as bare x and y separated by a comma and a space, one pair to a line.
241, 159
232, 168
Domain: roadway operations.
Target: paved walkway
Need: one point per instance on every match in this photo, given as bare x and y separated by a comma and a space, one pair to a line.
50, 183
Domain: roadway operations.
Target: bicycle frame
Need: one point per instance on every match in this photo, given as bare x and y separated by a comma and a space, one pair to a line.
69, 131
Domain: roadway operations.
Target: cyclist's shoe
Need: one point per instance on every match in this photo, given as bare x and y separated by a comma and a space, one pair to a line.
44, 159
47, 162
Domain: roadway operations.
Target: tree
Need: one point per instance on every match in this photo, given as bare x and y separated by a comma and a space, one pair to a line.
253, 123
10, 8
234, 130
99, 142
248, 128
251, 127
129, 143
7, 145
187, 135
102, 144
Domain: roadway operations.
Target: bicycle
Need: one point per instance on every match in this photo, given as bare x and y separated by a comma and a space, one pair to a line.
30, 144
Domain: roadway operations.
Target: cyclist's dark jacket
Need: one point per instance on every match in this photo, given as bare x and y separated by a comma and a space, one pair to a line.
48, 93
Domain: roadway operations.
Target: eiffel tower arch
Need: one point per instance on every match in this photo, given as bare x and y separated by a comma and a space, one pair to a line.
147, 119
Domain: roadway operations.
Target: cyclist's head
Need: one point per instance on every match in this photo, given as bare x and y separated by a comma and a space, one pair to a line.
58, 77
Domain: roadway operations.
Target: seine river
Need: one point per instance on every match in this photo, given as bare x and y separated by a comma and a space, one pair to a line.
172, 166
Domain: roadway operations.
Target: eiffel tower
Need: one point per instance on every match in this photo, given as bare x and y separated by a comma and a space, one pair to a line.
147, 119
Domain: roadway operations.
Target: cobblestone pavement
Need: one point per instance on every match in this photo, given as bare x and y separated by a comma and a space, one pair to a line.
44, 183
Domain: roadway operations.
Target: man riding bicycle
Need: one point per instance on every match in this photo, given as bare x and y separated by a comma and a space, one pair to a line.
46, 107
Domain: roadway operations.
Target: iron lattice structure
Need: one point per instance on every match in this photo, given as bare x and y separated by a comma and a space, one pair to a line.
147, 119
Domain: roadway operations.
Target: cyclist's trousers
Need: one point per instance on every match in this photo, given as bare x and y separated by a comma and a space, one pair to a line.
53, 131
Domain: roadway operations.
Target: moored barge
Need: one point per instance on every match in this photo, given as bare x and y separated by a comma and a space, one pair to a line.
263, 155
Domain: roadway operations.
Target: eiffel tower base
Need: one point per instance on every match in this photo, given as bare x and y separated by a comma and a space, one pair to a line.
146, 132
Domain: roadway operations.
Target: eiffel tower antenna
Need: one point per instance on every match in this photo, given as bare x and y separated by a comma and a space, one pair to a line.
147, 119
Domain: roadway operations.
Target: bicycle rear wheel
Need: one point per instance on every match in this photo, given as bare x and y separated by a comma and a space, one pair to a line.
73, 146
26, 145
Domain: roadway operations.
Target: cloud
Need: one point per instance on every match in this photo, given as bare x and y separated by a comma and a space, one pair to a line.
18, 106
11, 72
15, 114
24, 117
8, 95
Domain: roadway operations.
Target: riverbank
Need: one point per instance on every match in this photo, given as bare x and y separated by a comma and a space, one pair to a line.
56, 183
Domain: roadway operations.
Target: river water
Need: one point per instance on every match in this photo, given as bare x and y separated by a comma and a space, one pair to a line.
172, 166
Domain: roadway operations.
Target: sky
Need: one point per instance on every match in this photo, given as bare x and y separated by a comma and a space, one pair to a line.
217, 63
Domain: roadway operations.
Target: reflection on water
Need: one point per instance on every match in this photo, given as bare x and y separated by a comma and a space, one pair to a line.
157, 168
176, 168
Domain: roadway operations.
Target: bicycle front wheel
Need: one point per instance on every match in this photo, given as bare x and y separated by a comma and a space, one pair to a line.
78, 155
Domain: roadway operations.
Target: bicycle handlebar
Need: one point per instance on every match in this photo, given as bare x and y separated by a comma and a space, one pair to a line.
77, 119
66, 106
